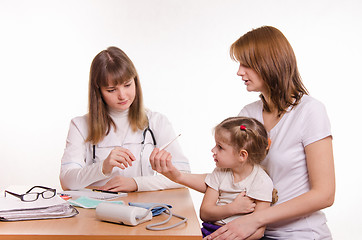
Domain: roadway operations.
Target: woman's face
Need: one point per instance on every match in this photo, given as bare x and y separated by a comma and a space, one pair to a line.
121, 96
252, 80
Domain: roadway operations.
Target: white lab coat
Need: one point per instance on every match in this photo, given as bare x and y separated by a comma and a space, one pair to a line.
79, 169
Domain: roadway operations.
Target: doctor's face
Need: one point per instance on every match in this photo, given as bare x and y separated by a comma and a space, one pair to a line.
121, 96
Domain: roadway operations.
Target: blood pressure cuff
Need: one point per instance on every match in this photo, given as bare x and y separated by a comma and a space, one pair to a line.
155, 211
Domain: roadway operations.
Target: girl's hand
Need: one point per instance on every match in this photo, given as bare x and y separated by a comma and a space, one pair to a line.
120, 184
118, 157
242, 204
161, 162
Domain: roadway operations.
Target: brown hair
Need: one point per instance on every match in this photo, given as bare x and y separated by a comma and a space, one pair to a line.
267, 51
112, 66
251, 137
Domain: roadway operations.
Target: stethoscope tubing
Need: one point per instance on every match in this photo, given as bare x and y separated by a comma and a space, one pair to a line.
143, 143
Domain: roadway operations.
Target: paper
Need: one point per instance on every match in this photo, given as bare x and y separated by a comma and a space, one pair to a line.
64, 210
13, 209
92, 194
14, 203
86, 202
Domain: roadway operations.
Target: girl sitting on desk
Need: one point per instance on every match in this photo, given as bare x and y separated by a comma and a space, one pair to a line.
110, 146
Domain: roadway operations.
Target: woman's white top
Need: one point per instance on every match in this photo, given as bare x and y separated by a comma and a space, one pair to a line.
79, 168
286, 163
257, 185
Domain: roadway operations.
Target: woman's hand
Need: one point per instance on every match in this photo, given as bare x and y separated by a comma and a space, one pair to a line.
161, 162
120, 184
240, 228
242, 204
118, 157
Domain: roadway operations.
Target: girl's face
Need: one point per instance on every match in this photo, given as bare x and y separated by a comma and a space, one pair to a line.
252, 80
121, 96
225, 155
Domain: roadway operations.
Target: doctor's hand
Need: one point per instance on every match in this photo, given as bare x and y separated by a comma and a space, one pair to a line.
161, 161
118, 157
120, 184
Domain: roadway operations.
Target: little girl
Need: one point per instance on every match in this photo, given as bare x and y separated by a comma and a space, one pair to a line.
241, 144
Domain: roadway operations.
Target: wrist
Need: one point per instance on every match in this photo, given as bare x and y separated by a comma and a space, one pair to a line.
230, 209
259, 219
135, 185
179, 178
106, 170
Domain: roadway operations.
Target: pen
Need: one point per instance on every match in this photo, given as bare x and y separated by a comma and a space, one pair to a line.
104, 191
166, 145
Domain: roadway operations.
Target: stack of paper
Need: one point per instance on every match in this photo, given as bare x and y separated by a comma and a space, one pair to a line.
13, 209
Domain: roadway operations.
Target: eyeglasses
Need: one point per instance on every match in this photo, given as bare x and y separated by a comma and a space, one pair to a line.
30, 196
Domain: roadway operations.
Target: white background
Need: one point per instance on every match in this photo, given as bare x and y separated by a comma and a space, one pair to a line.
181, 51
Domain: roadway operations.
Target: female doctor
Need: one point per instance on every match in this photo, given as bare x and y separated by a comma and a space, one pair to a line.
109, 147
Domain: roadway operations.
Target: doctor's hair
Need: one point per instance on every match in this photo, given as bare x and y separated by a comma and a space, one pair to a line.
111, 67
243, 133
268, 52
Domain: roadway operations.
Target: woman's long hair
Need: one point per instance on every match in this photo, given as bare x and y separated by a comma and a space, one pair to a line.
112, 66
268, 52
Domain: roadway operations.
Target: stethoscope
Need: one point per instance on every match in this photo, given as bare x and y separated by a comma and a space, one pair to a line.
148, 129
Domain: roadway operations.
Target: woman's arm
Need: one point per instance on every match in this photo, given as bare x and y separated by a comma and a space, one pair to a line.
260, 205
74, 173
319, 157
210, 212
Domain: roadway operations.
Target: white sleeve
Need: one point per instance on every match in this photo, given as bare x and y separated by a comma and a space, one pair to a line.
74, 172
213, 179
154, 183
262, 187
252, 110
316, 124
164, 133
243, 113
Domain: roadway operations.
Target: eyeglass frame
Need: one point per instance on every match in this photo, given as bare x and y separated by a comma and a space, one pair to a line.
21, 196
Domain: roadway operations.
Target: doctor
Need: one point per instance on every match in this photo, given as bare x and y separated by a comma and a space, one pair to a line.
109, 147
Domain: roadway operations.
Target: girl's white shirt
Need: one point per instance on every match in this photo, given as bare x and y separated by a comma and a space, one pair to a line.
79, 169
286, 162
257, 185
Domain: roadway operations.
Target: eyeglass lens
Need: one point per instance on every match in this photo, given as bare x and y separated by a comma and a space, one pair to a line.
29, 197
32, 196
48, 194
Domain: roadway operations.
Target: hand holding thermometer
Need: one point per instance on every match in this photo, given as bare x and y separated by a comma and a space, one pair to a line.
166, 145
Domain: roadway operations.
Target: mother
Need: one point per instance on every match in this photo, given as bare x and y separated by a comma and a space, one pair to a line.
300, 159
